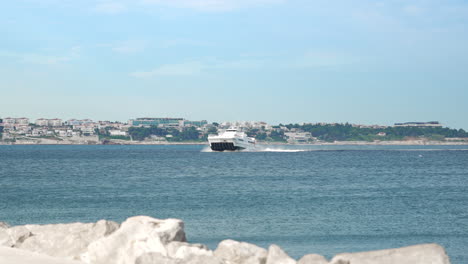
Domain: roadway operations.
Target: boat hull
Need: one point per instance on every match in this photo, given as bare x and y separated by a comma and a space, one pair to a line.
231, 140
230, 144
222, 146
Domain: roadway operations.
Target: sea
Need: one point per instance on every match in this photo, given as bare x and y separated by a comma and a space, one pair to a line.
306, 199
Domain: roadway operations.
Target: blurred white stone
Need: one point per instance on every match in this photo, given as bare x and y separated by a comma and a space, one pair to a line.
277, 256
5, 239
184, 250
154, 258
240, 252
10, 255
201, 259
157, 258
313, 259
418, 254
14, 236
146, 240
135, 237
60, 240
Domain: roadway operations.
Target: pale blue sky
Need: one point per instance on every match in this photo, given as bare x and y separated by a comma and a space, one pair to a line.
362, 61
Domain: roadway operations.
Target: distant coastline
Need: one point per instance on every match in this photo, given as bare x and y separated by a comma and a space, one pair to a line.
336, 143
178, 131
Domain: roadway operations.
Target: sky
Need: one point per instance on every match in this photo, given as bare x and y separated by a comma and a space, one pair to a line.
279, 61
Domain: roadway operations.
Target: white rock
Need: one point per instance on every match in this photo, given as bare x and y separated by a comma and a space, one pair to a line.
14, 236
146, 240
277, 256
154, 258
240, 252
60, 240
201, 259
157, 258
135, 237
342, 261
183, 250
313, 259
4, 236
418, 254
5, 240
18, 256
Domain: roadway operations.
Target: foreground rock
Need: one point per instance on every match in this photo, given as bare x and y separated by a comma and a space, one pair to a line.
18, 256
136, 236
183, 250
147, 240
419, 254
277, 256
60, 240
313, 259
235, 252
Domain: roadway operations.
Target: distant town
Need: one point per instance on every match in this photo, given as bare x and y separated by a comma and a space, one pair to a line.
153, 130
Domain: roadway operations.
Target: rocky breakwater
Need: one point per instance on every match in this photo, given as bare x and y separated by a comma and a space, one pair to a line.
146, 240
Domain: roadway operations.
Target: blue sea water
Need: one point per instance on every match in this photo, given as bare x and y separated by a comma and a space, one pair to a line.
326, 200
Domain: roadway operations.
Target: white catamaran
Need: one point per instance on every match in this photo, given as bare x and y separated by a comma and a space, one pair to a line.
231, 139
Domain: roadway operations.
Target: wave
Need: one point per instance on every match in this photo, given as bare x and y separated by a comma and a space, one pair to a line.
261, 149
281, 150
292, 149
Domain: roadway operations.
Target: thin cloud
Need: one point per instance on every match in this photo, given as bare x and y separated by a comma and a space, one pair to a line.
132, 46
182, 69
413, 10
125, 47
211, 5
198, 67
185, 42
305, 60
322, 59
240, 65
43, 59
110, 8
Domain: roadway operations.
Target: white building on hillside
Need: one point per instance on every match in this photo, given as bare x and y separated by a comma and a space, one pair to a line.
55, 122
298, 137
42, 122
419, 124
49, 122
117, 133
16, 121
75, 122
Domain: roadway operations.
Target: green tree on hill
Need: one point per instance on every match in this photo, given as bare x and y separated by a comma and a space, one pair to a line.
1, 129
187, 134
140, 133
347, 132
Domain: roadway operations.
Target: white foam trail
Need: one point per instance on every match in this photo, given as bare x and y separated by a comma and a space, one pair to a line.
206, 149
261, 149
292, 149
281, 150
421, 149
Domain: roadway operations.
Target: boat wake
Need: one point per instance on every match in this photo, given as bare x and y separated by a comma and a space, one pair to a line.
281, 150
260, 149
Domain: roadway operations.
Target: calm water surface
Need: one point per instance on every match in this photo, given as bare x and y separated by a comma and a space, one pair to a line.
328, 200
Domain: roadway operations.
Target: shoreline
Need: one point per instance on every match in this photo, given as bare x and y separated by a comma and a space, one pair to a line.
336, 143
